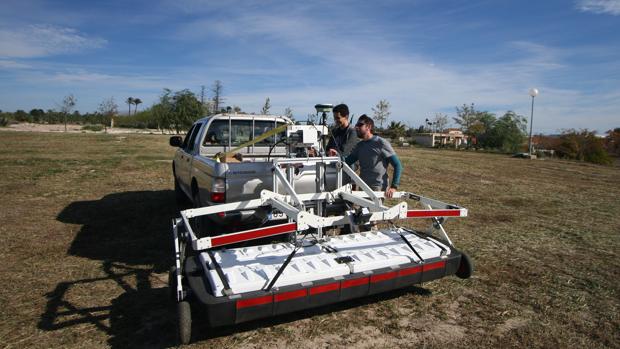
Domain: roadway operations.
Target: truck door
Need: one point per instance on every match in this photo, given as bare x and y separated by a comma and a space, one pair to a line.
184, 156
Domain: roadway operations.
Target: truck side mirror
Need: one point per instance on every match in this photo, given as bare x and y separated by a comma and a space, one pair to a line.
176, 141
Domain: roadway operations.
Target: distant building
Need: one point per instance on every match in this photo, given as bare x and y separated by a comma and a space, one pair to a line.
452, 137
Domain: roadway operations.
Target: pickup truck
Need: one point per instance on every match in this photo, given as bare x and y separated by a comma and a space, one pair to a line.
205, 181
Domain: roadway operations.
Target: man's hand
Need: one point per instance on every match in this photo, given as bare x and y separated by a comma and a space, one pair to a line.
332, 152
390, 192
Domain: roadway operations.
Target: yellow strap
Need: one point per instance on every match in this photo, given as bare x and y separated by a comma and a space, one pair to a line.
220, 156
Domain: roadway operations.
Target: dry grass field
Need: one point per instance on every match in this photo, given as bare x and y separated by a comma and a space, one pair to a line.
85, 244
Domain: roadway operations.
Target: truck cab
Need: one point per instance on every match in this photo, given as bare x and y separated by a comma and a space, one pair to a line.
205, 180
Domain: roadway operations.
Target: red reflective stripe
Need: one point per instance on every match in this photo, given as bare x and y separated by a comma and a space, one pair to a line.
290, 295
434, 266
383, 277
251, 302
253, 234
409, 271
354, 282
325, 288
433, 213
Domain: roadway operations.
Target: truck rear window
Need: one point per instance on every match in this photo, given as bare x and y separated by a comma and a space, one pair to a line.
237, 132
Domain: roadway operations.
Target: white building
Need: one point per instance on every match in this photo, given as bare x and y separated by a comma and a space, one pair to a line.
453, 137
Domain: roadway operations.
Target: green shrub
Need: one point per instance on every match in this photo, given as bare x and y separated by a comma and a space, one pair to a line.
94, 128
4, 121
583, 145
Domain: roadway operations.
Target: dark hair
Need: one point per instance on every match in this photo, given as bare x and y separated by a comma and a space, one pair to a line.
341, 109
366, 120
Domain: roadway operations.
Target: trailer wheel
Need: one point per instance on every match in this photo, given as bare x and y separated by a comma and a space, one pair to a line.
466, 267
184, 322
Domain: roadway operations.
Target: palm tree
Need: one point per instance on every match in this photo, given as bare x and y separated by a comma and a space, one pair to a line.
129, 102
136, 101
396, 129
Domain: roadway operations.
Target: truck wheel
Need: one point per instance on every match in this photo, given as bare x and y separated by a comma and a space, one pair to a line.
181, 198
201, 222
466, 267
195, 197
185, 322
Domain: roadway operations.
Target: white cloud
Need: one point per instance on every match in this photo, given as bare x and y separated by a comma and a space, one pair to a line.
86, 79
44, 40
360, 68
611, 7
80, 76
8, 64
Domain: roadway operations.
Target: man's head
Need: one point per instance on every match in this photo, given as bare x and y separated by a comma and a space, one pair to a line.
341, 115
364, 127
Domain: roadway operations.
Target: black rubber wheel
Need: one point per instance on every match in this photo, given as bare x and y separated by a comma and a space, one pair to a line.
466, 267
200, 223
172, 282
184, 322
181, 199
203, 225
196, 197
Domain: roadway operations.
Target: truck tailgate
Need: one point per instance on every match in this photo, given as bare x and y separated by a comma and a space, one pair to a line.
245, 180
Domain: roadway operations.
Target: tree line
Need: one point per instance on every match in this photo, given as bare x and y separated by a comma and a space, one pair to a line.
175, 111
506, 133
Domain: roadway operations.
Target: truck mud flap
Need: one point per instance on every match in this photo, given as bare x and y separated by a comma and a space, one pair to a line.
239, 308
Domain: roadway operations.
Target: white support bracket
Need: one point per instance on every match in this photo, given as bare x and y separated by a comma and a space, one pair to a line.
241, 205
289, 210
371, 194
357, 200
288, 187
177, 259
437, 224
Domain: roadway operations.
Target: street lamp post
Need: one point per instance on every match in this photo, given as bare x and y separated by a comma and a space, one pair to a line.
533, 92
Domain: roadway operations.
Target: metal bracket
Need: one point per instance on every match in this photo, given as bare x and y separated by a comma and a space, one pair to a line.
179, 256
361, 184
288, 187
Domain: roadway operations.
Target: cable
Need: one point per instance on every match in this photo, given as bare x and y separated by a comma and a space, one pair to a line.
274, 145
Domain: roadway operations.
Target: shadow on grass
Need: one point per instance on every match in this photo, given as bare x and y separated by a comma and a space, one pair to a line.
130, 234
131, 228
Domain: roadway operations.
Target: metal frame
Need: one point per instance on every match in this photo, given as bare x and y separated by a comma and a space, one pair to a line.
293, 205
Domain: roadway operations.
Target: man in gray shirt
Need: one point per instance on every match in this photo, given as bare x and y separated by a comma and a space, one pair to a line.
373, 154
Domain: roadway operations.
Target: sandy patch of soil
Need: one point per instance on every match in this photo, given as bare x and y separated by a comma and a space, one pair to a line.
72, 128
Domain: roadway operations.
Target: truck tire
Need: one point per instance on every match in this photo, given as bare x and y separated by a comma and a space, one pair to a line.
181, 198
201, 223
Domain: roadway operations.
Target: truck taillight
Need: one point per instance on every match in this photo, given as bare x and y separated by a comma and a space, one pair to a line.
218, 197
218, 190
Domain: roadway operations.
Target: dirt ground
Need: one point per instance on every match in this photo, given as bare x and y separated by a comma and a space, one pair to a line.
72, 128
85, 245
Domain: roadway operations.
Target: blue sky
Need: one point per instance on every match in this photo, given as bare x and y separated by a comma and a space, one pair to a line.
424, 57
